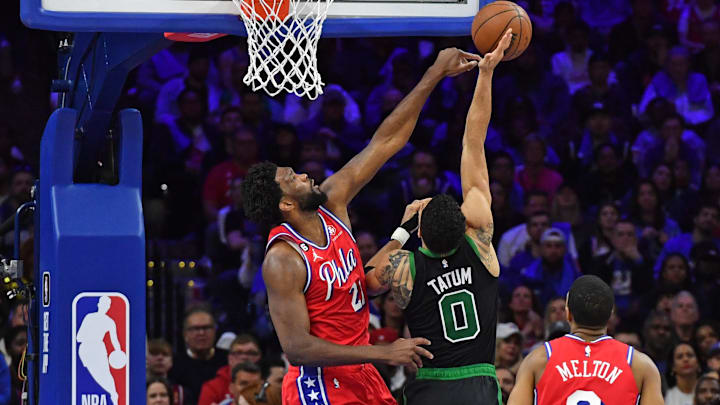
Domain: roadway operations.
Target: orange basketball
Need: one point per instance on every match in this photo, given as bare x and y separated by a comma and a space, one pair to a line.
493, 20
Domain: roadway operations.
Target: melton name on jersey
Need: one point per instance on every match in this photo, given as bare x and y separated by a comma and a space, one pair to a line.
454, 305
593, 373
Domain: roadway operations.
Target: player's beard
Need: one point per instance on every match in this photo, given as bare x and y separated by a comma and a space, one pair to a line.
313, 200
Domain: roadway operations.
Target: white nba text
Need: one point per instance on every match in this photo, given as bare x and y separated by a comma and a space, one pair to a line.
331, 273
94, 399
599, 370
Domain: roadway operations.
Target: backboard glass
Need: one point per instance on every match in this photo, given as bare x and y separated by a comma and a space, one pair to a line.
346, 18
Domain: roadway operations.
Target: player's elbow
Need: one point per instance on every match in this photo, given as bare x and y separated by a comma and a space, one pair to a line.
295, 351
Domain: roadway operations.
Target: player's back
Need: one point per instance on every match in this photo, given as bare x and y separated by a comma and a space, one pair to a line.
587, 373
454, 305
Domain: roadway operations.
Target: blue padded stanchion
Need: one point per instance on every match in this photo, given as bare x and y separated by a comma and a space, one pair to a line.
90, 303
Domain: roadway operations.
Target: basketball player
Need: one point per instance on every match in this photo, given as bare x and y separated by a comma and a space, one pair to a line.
313, 271
587, 367
448, 288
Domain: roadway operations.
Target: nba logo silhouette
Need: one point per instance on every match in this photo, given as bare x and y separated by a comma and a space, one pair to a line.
100, 349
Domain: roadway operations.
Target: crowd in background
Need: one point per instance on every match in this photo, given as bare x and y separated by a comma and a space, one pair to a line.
603, 153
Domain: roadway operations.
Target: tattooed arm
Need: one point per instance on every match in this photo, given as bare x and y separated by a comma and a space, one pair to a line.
478, 216
391, 271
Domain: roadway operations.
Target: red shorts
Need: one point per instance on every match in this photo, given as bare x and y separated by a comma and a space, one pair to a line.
342, 385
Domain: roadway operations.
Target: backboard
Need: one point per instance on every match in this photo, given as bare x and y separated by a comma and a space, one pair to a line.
347, 18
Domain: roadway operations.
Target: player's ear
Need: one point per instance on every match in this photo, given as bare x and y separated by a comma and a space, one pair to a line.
286, 204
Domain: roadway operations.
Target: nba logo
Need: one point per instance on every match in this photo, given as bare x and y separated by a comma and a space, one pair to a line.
100, 349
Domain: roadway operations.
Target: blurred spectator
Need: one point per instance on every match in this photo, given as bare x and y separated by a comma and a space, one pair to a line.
662, 178
553, 273
534, 175
674, 142
506, 379
710, 188
629, 35
684, 315
707, 391
242, 376
609, 179
685, 198
706, 336
423, 180
222, 143
528, 76
682, 375
635, 72
624, 268
502, 170
16, 343
566, 209
522, 314
399, 73
284, 147
611, 98
705, 257
691, 22
392, 315
597, 131
705, 223
537, 224
657, 335
159, 392
243, 350
508, 347
707, 61
629, 338
216, 190
599, 242
159, 362
257, 393
516, 239
688, 91
713, 360
504, 217
167, 108
201, 360
367, 244
572, 63
299, 109
554, 312
21, 182
653, 226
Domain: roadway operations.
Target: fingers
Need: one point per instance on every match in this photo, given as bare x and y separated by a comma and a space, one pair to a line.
417, 361
469, 55
504, 42
423, 352
419, 341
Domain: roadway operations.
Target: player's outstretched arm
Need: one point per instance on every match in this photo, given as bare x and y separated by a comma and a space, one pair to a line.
285, 276
393, 133
524, 391
647, 373
473, 166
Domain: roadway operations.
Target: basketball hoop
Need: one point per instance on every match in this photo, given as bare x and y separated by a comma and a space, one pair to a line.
282, 43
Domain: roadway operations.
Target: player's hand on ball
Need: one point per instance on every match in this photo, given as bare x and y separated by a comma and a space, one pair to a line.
452, 61
491, 60
407, 352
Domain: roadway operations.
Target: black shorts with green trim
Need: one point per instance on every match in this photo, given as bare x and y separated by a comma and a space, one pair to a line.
475, 384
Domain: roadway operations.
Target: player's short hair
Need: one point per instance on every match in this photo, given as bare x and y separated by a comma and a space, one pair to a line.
442, 224
262, 194
590, 301
246, 367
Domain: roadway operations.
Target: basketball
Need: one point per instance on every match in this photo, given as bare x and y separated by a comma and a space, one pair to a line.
493, 20
117, 359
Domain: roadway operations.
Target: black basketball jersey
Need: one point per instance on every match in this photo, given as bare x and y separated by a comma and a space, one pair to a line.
454, 305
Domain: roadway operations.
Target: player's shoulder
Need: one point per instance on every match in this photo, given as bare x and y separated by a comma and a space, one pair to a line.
642, 363
538, 357
282, 262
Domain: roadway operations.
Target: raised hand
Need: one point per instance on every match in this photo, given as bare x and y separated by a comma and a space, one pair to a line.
407, 352
491, 60
452, 61
413, 208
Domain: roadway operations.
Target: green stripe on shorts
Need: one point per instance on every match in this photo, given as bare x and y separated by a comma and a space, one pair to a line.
456, 373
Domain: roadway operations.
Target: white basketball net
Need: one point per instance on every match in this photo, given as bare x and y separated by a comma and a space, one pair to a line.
283, 50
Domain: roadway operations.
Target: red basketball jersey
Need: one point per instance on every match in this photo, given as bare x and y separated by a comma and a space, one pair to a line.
335, 285
587, 373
